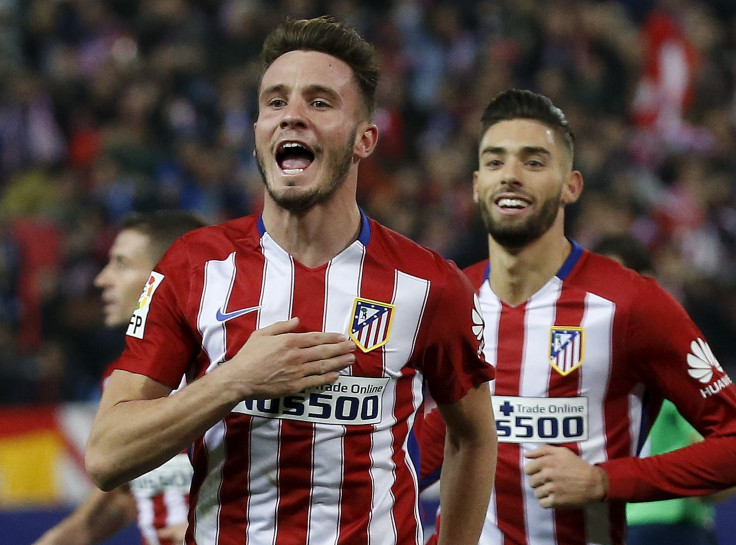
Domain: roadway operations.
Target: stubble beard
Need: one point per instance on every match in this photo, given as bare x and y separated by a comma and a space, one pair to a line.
302, 201
521, 234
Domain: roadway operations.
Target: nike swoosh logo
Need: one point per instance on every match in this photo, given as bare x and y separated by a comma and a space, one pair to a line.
224, 317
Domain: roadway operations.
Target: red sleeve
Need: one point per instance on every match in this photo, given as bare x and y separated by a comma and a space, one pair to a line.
452, 360
159, 342
671, 356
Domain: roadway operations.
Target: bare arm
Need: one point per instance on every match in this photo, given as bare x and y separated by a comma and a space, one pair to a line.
100, 516
139, 425
468, 468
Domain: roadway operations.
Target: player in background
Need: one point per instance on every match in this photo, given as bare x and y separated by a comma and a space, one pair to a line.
679, 521
308, 332
159, 500
585, 351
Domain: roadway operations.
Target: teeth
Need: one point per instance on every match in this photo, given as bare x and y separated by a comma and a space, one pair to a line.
291, 145
511, 203
293, 170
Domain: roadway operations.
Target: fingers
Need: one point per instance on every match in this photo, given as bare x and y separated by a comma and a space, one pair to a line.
329, 357
278, 328
539, 452
301, 339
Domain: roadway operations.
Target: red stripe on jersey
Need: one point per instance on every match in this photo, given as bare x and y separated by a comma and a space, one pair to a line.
403, 487
510, 511
159, 511
569, 313
293, 510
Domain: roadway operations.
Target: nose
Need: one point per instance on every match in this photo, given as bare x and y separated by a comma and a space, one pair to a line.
100, 280
511, 174
294, 114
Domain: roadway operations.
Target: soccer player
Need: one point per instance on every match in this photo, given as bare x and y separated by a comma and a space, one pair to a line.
585, 351
308, 332
158, 500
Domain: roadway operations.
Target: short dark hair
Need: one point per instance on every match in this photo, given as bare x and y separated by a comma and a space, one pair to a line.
627, 249
326, 35
524, 104
163, 227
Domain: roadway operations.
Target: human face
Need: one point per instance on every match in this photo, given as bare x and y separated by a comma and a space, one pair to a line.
523, 180
310, 133
124, 276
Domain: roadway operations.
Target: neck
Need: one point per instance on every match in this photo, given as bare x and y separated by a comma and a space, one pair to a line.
316, 236
517, 274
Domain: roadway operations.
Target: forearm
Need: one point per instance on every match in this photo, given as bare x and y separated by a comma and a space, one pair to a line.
466, 482
99, 517
471, 448
139, 425
129, 438
699, 469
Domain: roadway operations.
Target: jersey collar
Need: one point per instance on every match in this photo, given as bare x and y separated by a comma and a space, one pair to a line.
567, 266
365, 228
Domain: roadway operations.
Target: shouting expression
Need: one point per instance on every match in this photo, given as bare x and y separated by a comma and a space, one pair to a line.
311, 130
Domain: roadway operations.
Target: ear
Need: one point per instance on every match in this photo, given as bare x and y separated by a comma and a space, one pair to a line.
573, 188
365, 141
475, 187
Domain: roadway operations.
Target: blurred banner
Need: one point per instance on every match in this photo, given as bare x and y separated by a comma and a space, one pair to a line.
42, 455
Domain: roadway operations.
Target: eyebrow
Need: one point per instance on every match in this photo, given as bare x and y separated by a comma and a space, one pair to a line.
312, 89
526, 150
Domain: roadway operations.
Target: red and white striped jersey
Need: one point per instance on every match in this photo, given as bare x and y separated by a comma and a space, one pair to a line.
585, 363
329, 465
162, 498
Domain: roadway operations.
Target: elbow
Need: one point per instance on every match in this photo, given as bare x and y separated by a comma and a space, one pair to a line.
100, 468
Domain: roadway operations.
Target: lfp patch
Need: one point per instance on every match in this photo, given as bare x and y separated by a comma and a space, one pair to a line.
566, 348
137, 324
371, 325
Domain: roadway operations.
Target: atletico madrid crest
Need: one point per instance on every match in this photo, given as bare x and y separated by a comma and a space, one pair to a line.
371, 326
566, 348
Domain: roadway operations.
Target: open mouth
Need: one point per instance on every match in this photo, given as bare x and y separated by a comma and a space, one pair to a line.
294, 157
512, 203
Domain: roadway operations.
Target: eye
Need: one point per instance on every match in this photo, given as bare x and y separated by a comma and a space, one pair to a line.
277, 103
319, 103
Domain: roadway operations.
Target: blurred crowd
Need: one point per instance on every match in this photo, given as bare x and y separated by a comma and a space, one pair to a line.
108, 106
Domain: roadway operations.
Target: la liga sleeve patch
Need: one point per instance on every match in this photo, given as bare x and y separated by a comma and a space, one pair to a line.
137, 324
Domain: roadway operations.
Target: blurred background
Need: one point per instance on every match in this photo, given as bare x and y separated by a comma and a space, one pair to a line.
108, 106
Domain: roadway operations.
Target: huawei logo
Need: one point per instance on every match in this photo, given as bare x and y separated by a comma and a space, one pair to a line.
478, 324
702, 362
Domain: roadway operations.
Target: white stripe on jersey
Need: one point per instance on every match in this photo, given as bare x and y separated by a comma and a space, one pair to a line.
218, 284
218, 280
145, 520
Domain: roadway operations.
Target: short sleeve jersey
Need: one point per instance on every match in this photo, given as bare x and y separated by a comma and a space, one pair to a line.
585, 363
329, 465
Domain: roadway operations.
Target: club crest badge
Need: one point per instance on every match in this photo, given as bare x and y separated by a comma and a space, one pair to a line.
371, 323
566, 348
